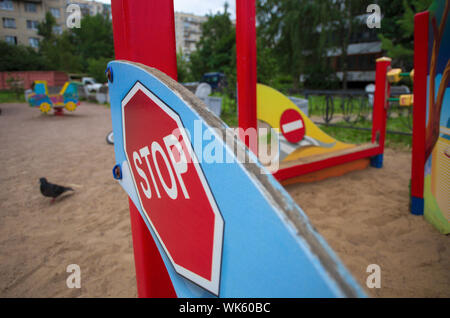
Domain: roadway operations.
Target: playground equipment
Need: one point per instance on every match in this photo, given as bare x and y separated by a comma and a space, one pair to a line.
67, 98
430, 173
306, 152
193, 235
394, 76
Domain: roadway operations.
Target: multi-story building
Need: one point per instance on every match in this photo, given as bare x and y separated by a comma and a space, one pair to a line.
20, 18
363, 50
89, 7
187, 31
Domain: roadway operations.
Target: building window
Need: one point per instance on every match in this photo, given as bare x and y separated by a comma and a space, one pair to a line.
55, 12
57, 29
30, 7
34, 42
9, 23
11, 39
32, 25
6, 5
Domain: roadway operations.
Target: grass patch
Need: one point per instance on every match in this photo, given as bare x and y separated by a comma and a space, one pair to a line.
11, 97
229, 109
230, 119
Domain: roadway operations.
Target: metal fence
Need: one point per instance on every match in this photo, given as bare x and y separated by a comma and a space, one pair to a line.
353, 109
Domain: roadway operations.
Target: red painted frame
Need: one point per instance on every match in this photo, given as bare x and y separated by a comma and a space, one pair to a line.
137, 26
246, 67
421, 25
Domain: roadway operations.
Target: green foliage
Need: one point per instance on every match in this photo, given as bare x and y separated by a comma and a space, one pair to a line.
94, 39
7, 96
267, 66
229, 109
184, 73
295, 34
356, 136
216, 49
15, 85
397, 29
79, 50
96, 68
60, 54
20, 58
282, 83
45, 28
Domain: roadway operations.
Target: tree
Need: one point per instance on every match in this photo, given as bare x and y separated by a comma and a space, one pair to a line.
216, 50
45, 28
20, 58
397, 29
184, 74
344, 23
94, 39
295, 32
96, 68
58, 51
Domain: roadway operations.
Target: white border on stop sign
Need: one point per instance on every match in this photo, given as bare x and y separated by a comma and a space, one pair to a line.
214, 285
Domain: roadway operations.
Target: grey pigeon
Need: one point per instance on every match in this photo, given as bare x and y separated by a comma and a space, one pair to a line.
52, 190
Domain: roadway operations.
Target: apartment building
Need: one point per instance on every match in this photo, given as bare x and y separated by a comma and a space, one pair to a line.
89, 7
362, 52
19, 19
188, 31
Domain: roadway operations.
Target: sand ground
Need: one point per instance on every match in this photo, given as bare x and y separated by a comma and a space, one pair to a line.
363, 215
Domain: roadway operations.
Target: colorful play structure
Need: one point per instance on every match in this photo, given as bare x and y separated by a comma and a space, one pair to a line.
255, 241
430, 173
66, 99
306, 153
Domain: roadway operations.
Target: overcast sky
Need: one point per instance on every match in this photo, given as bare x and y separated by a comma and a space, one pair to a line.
200, 7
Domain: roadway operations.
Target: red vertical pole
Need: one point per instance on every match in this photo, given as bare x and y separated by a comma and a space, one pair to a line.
144, 32
380, 105
421, 22
246, 68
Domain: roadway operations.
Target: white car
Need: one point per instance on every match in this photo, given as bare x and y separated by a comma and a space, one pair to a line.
90, 84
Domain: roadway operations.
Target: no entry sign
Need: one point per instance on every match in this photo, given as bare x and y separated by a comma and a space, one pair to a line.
172, 188
292, 126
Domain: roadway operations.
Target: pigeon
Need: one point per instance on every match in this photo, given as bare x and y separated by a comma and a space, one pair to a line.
52, 190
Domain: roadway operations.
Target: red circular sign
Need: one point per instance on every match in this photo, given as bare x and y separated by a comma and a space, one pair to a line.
292, 126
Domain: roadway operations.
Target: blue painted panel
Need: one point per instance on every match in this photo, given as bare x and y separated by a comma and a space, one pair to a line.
263, 255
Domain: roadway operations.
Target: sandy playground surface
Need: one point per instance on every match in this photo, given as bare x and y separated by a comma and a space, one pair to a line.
363, 215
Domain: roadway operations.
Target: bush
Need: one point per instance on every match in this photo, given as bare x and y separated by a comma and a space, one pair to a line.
96, 68
282, 83
20, 58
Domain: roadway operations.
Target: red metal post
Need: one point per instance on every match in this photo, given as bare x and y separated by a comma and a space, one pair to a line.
246, 67
380, 105
421, 23
144, 32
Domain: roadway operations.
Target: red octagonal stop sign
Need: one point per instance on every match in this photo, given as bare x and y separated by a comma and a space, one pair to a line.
172, 188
